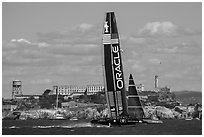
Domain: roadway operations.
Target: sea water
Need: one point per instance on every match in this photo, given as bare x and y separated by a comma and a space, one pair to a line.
85, 127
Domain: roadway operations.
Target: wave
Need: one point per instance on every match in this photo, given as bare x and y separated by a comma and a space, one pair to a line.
12, 127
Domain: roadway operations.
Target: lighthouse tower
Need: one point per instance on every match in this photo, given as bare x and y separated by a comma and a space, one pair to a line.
156, 82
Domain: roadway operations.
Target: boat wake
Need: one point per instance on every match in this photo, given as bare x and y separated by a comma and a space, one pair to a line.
64, 125
13, 127
75, 125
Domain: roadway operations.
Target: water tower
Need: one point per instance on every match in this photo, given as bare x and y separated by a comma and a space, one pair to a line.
16, 88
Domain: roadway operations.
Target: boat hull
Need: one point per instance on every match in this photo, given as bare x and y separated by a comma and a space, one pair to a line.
120, 122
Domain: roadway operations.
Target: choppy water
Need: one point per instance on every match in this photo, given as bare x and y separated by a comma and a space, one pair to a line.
84, 127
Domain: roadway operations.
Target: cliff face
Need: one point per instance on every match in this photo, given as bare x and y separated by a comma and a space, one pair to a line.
158, 111
178, 112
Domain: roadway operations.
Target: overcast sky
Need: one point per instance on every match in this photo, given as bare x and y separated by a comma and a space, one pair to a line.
45, 44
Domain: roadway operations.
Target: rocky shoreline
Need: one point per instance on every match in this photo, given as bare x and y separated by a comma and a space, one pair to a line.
95, 112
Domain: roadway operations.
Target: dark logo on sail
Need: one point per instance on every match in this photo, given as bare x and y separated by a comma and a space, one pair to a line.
118, 74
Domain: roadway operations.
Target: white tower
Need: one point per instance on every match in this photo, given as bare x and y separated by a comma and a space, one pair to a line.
156, 82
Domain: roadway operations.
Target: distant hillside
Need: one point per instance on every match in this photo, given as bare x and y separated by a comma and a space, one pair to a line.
188, 97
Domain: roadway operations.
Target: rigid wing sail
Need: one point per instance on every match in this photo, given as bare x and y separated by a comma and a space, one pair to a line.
113, 69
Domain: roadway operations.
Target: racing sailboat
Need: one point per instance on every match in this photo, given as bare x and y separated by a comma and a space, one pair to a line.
123, 109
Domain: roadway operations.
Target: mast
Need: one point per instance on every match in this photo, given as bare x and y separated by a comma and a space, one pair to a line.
134, 105
57, 97
114, 78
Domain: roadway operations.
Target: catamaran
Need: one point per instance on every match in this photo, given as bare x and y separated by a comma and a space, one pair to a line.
123, 108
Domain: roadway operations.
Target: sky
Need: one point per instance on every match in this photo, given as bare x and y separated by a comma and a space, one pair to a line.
46, 44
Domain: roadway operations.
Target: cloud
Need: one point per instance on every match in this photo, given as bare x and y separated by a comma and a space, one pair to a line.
21, 41
164, 29
84, 27
135, 65
168, 50
42, 44
187, 47
138, 67
134, 40
155, 28
154, 61
41, 81
79, 34
173, 75
68, 51
28, 43
23, 52
61, 55
18, 54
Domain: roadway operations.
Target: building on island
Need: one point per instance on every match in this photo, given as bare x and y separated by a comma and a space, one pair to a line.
93, 89
73, 90
67, 89
140, 87
162, 89
157, 88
